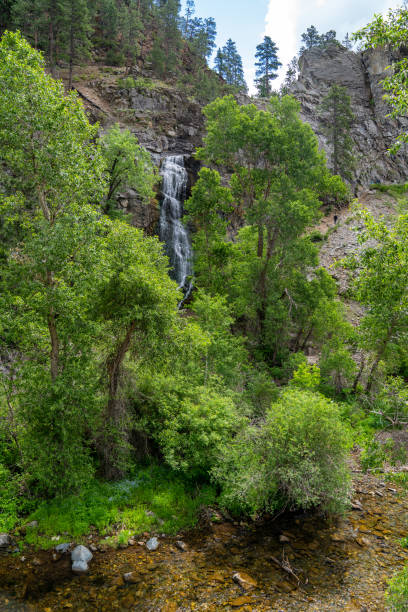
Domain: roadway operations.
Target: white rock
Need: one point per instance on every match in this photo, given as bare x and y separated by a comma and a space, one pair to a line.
152, 544
81, 553
5, 540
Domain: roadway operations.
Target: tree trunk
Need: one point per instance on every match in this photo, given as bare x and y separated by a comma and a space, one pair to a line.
109, 442
51, 41
263, 291
115, 362
54, 353
379, 356
71, 50
260, 240
52, 328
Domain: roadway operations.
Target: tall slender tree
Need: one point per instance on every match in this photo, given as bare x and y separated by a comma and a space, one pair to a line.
267, 65
76, 32
338, 117
187, 19
219, 63
232, 65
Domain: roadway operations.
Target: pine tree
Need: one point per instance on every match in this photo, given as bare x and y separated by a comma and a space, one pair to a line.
211, 33
219, 63
291, 74
188, 16
267, 64
347, 42
328, 38
5, 15
75, 32
28, 16
232, 66
131, 27
336, 112
42, 22
169, 15
311, 38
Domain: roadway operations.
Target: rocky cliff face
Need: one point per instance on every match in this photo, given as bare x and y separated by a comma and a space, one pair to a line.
373, 133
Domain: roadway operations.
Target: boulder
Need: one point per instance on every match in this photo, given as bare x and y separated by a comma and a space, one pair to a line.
244, 580
130, 578
152, 544
63, 548
80, 557
5, 540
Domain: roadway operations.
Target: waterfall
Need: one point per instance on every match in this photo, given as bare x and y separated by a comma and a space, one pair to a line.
171, 228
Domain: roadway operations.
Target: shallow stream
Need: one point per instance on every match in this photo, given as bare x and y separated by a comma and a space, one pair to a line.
295, 562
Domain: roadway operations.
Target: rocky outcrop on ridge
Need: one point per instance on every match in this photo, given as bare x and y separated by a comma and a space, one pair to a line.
373, 132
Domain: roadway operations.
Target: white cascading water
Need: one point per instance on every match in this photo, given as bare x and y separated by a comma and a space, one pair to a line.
172, 231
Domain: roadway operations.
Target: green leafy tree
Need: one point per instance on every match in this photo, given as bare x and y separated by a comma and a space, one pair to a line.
335, 110
79, 291
40, 144
138, 300
266, 66
208, 209
128, 165
267, 259
50, 171
381, 286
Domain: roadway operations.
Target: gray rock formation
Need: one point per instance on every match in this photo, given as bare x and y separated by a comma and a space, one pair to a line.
373, 133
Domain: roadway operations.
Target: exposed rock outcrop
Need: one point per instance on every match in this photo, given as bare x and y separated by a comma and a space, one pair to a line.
373, 133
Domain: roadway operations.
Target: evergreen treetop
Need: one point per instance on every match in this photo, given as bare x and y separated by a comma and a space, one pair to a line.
267, 65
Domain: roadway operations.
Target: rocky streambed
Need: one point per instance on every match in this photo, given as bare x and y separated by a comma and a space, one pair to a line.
295, 562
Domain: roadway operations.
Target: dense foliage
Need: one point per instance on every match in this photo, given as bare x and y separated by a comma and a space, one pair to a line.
99, 369
295, 459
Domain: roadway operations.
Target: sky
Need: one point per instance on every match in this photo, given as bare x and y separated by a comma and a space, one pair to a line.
248, 21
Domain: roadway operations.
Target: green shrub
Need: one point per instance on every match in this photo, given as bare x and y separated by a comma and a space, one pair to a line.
195, 428
114, 57
397, 593
306, 377
8, 499
127, 83
316, 236
374, 454
295, 459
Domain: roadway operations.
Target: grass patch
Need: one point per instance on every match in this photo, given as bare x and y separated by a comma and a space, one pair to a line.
394, 189
155, 499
